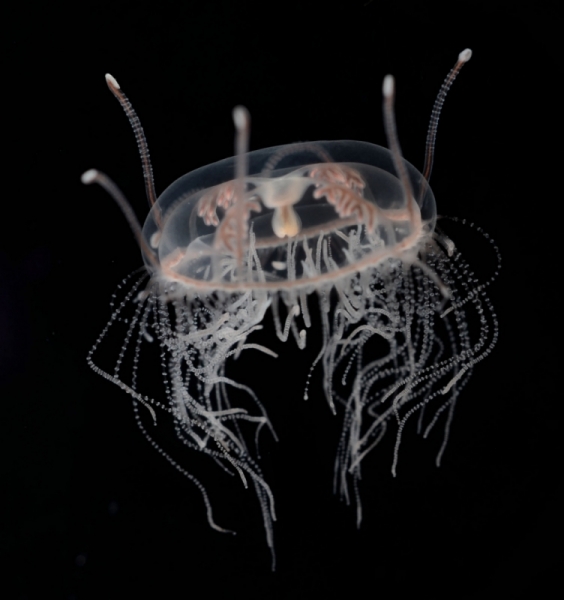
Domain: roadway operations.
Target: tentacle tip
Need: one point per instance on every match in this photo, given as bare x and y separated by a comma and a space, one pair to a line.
241, 117
89, 176
112, 82
465, 55
388, 86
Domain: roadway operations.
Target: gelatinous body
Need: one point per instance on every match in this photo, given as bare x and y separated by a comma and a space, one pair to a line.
265, 234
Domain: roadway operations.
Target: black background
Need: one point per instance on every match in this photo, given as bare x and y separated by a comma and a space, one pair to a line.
91, 510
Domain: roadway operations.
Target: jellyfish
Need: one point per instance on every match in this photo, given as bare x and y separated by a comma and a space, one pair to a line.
269, 234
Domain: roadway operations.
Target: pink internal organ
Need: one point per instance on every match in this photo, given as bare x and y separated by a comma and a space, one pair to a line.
235, 225
343, 186
221, 196
340, 174
347, 203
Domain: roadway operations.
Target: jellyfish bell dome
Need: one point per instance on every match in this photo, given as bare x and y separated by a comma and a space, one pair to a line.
303, 214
